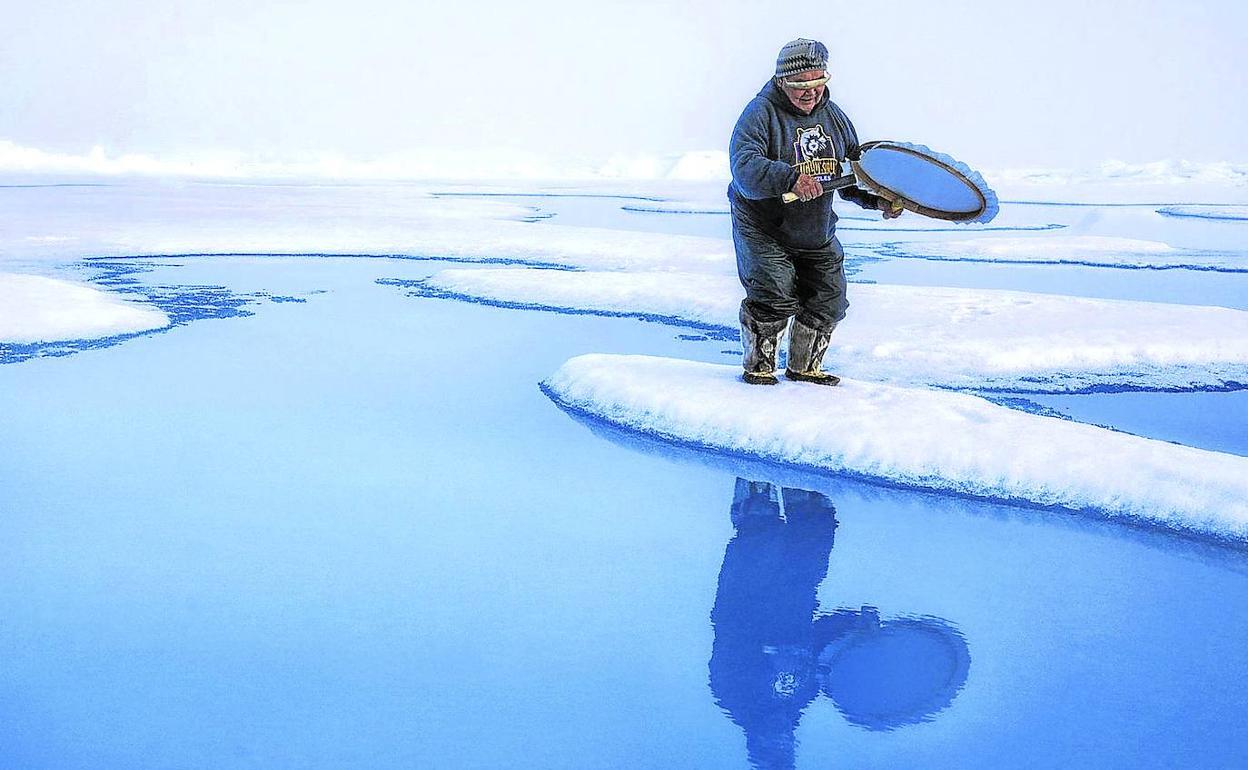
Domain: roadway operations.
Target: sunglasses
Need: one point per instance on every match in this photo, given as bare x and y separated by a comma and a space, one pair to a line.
802, 85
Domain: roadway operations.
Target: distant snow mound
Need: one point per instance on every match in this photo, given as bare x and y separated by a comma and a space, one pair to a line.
914, 438
695, 166
635, 166
1176, 172
1155, 174
1164, 181
701, 166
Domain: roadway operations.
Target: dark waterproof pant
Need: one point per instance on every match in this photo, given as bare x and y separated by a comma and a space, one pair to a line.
781, 281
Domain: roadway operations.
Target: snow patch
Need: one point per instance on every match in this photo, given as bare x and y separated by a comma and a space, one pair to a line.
915, 438
702, 165
35, 308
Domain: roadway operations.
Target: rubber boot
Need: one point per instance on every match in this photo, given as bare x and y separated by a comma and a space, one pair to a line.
760, 340
806, 349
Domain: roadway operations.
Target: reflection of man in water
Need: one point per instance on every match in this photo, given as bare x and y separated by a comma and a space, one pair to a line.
773, 654
763, 659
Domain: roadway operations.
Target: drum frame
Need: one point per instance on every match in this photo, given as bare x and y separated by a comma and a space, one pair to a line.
865, 180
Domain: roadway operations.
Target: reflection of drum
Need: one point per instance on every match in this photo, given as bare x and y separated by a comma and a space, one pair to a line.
882, 675
924, 182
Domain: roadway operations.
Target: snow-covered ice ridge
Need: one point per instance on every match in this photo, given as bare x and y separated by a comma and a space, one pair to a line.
1086, 250
36, 308
916, 335
1225, 213
916, 438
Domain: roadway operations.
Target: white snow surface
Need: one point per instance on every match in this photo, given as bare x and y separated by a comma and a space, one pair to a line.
947, 337
36, 308
915, 437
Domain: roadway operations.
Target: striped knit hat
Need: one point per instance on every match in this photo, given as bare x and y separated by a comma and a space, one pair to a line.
801, 55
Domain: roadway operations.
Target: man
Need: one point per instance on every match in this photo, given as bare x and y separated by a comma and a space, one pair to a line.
790, 138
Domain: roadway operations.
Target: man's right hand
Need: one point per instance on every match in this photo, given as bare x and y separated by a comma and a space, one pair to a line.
807, 188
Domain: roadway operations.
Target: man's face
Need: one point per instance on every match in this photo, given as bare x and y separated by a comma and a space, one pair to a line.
804, 99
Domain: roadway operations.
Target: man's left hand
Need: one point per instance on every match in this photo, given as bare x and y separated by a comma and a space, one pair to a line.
890, 210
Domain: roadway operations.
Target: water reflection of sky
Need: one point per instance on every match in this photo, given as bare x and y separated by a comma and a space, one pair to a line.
352, 532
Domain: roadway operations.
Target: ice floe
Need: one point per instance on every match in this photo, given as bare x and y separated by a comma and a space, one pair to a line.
177, 219
946, 337
914, 438
1088, 250
491, 242
133, 219
35, 308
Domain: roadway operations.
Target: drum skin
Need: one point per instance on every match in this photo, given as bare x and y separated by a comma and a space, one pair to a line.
924, 182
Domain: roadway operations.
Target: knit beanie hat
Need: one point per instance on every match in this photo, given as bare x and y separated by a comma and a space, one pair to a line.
801, 55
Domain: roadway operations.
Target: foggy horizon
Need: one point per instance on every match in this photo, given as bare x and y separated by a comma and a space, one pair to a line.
1065, 86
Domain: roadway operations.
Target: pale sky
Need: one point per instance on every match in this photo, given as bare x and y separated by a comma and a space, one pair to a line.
1001, 83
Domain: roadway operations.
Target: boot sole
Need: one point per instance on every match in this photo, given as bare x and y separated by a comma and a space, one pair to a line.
760, 379
818, 379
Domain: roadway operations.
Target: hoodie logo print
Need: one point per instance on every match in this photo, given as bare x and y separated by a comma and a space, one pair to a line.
815, 153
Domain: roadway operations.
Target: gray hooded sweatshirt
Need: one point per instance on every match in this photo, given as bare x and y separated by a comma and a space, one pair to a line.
771, 143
